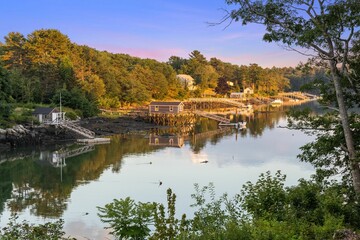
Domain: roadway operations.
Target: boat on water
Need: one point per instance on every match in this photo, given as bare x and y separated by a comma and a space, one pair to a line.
276, 102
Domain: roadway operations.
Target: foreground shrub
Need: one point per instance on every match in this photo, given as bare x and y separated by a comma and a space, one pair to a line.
263, 210
26, 231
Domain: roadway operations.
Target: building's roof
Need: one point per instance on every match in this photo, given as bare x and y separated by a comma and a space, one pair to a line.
43, 110
166, 103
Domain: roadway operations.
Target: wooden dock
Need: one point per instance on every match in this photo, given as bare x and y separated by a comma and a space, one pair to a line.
225, 101
94, 140
212, 116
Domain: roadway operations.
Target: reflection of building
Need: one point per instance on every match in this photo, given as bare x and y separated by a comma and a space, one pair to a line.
166, 107
57, 158
199, 157
166, 140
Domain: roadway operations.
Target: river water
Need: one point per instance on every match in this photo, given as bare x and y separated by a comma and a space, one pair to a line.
42, 185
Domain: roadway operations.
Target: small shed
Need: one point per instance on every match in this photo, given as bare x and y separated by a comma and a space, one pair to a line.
166, 107
48, 115
236, 95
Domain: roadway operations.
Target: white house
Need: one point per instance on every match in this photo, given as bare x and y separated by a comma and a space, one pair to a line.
48, 115
248, 91
231, 84
187, 81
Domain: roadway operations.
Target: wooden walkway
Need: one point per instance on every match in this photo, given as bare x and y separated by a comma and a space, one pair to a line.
72, 127
78, 129
75, 152
210, 133
298, 95
218, 100
212, 116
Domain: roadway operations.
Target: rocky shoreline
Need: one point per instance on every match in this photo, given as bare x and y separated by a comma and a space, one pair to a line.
20, 135
121, 125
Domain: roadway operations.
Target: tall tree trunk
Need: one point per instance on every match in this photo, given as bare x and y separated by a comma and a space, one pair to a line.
354, 164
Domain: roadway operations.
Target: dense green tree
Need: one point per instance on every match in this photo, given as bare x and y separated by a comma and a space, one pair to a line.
256, 77
76, 99
204, 74
5, 87
325, 27
176, 63
46, 60
133, 91
25, 231
128, 220
41, 63
14, 52
222, 86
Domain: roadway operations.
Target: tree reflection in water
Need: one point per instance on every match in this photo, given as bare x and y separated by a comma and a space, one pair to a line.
29, 181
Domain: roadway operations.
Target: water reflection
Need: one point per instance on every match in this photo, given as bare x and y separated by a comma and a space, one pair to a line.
41, 183
166, 140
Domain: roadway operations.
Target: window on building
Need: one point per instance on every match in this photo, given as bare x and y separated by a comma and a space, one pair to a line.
171, 108
171, 141
156, 108
156, 141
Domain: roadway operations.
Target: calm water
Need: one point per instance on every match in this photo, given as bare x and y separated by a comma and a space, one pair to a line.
40, 186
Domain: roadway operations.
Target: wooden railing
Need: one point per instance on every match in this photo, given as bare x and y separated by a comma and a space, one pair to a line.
78, 129
76, 152
220, 100
212, 116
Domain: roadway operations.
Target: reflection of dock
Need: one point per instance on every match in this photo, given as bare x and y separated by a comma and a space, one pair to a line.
57, 158
94, 140
210, 133
213, 116
166, 140
238, 125
75, 152
5, 158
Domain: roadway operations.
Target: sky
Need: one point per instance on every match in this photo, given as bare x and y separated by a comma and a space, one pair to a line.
156, 29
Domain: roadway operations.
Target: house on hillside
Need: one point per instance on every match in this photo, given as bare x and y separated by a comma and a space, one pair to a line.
248, 91
229, 83
48, 115
166, 107
187, 81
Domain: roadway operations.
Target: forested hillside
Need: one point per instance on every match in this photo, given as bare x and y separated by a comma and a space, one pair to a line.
37, 67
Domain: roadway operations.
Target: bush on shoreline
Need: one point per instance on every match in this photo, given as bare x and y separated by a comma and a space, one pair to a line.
262, 210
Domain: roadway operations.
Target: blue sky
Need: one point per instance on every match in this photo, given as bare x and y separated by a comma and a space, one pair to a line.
154, 29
